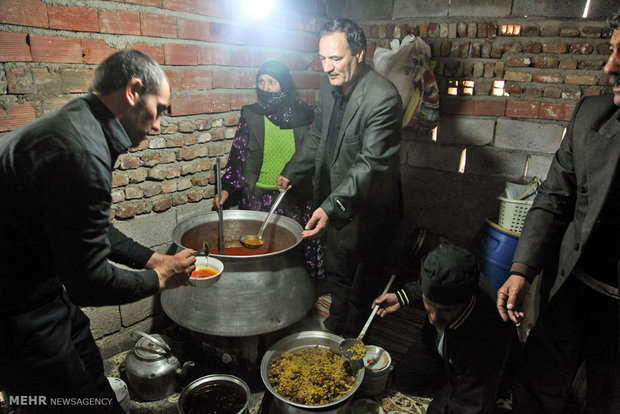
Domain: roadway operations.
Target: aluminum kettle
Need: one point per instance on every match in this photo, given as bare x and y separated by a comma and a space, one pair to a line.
151, 367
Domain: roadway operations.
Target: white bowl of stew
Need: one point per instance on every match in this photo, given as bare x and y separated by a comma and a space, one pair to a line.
208, 271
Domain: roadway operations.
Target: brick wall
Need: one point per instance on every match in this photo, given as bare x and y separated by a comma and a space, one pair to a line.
48, 50
210, 52
546, 69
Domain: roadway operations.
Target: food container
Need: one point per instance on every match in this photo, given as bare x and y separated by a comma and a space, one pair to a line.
377, 363
260, 293
206, 263
295, 342
218, 393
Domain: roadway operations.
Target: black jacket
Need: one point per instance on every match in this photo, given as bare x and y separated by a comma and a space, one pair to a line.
568, 204
475, 352
56, 177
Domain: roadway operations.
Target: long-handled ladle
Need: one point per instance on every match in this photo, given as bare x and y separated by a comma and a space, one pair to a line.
220, 213
353, 349
254, 241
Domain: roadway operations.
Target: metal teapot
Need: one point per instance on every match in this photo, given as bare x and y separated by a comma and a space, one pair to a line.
151, 367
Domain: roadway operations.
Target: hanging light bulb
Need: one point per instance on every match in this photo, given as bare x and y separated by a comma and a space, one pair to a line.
257, 9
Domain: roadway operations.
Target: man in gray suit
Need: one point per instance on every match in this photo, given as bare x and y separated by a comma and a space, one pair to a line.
354, 155
573, 232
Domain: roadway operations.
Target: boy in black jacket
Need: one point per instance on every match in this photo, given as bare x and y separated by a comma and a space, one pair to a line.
462, 333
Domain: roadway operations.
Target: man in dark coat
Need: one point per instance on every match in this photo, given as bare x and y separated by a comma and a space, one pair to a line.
56, 237
573, 232
354, 155
465, 346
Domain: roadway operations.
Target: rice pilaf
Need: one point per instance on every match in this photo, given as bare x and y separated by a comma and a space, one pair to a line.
310, 376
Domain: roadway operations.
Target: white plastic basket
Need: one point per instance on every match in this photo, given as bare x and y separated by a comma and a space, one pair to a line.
512, 213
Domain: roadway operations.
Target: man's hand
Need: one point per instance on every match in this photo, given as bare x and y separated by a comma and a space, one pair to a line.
387, 303
316, 225
172, 271
282, 182
510, 298
223, 197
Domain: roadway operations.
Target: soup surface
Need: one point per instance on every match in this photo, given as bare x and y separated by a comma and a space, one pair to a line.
215, 398
203, 272
275, 238
241, 251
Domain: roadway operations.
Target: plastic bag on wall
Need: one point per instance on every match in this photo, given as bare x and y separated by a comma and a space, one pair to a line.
408, 66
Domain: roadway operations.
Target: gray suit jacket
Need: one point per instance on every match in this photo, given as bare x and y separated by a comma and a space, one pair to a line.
570, 200
365, 199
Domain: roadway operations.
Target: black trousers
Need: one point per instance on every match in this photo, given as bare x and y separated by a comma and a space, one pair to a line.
354, 280
421, 370
577, 325
49, 353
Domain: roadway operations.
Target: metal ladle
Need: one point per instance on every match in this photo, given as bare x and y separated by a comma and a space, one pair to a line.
204, 251
254, 241
220, 213
350, 347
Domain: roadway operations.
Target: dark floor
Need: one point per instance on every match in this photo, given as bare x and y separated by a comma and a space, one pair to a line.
393, 333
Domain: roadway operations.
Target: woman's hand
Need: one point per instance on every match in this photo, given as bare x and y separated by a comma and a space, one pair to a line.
223, 197
282, 183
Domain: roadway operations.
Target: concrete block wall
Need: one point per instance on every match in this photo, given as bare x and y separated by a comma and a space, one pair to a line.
555, 59
210, 51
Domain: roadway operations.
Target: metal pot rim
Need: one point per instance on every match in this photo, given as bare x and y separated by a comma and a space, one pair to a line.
212, 378
199, 218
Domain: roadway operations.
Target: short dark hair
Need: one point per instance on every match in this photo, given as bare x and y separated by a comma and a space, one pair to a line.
118, 69
356, 39
614, 19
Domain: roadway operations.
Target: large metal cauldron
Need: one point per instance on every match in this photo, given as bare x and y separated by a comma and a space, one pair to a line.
256, 294
296, 342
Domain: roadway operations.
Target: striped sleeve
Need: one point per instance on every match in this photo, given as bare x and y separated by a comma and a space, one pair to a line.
402, 297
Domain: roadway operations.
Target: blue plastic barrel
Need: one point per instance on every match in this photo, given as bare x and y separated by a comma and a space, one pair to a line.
496, 247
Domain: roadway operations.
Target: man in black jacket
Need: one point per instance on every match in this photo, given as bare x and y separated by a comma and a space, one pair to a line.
465, 346
56, 237
354, 155
572, 232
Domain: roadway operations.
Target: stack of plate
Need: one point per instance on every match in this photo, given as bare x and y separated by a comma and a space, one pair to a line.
366, 406
377, 363
121, 391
